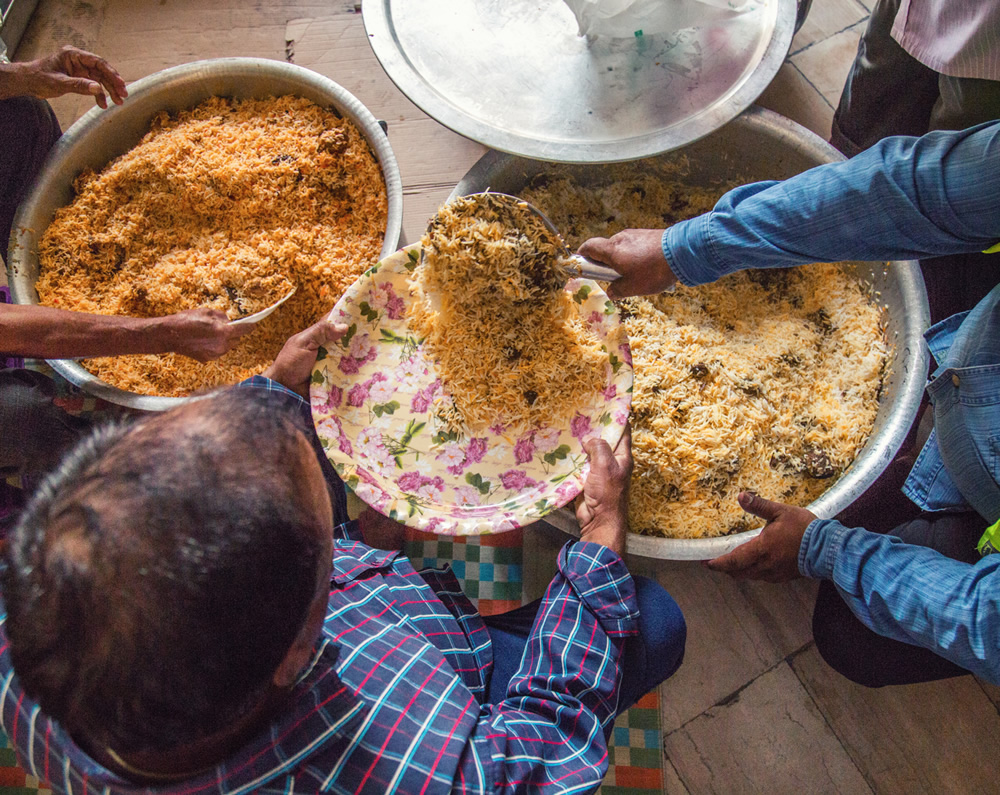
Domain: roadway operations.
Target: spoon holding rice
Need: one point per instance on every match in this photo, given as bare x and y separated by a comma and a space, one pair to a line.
522, 217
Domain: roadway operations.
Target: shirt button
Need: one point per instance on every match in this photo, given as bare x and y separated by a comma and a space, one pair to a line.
955, 380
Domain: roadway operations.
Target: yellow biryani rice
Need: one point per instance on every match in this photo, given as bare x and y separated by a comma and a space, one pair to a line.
225, 205
509, 344
765, 380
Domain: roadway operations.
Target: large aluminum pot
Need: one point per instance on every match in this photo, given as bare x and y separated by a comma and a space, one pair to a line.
763, 145
102, 135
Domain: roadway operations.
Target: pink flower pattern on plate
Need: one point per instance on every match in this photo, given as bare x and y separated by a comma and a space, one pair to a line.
475, 451
323, 404
524, 449
580, 427
516, 480
375, 412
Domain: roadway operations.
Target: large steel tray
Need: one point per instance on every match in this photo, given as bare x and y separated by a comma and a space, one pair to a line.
516, 76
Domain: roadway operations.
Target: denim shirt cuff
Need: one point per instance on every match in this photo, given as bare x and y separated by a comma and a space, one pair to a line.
818, 550
685, 246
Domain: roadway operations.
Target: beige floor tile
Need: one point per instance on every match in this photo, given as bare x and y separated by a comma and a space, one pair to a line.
991, 690
827, 17
770, 738
938, 737
143, 36
791, 95
827, 62
736, 631
672, 784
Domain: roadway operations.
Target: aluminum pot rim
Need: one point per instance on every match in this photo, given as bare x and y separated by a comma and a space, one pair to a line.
97, 121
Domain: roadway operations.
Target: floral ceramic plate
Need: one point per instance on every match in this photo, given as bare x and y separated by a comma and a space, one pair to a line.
372, 398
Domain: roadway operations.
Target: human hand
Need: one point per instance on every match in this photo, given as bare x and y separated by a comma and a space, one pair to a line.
294, 363
637, 254
602, 508
203, 334
71, 71
773, 556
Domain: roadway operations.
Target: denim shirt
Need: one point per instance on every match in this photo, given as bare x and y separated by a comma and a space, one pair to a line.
904, 198
959, 466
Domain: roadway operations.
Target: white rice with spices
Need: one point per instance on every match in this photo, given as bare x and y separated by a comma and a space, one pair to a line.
225, 205
765, 381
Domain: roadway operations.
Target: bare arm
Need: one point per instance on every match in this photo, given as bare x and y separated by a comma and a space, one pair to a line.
69, 71
49, 333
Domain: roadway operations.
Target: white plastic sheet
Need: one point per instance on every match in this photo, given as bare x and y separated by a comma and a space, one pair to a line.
627, 18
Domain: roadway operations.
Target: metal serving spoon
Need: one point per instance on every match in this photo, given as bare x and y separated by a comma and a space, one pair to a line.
256, 317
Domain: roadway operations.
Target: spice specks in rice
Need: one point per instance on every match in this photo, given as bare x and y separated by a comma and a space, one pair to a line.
506, 337
766, 381
225, 205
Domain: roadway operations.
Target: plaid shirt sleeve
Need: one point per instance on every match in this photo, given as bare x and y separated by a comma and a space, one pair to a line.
549, 734
912, 593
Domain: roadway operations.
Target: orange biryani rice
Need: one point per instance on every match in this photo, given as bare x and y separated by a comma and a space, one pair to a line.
226, 205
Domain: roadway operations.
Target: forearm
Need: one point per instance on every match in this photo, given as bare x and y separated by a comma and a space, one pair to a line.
50, 333
911, 593
905, 198
12, 81
575, 645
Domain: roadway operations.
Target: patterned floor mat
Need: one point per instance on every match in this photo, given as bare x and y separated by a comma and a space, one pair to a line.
13, 779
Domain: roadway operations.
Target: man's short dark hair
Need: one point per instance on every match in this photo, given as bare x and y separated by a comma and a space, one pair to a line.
161, 573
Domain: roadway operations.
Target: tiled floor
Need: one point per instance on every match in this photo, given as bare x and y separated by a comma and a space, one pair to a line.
754, 708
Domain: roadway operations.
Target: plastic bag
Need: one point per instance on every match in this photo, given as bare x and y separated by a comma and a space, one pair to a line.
627, 18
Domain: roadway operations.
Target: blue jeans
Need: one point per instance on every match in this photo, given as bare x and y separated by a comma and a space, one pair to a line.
650, 657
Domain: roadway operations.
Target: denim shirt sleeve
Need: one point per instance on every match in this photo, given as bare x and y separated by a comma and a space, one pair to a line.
912, 593
904, 198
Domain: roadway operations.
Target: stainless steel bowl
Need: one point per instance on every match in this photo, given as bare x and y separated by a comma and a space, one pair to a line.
755, 146
102, 135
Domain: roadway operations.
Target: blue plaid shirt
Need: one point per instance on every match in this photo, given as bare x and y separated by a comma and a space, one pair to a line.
393, 699
904, 198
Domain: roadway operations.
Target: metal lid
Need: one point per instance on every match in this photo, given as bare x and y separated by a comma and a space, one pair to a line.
514, 75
